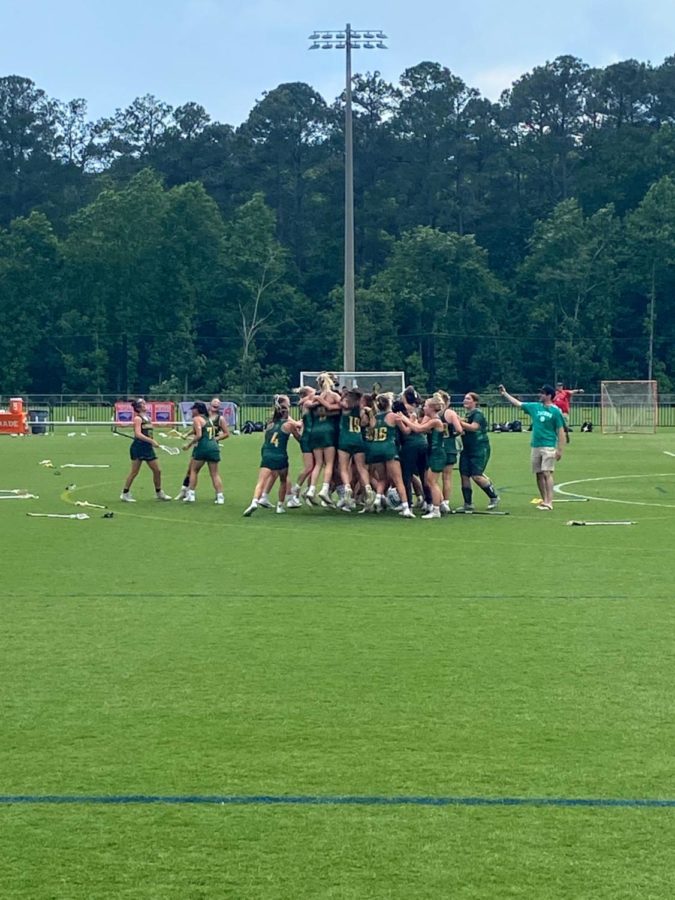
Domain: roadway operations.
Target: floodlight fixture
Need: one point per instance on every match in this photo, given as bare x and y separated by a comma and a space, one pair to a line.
348, 40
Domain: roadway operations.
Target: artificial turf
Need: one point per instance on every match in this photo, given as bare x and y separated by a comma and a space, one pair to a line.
207, 666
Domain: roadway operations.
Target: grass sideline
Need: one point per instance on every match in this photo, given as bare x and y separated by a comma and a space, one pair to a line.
182, 651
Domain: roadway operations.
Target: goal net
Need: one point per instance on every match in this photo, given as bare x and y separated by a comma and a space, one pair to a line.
629, 406
365, 381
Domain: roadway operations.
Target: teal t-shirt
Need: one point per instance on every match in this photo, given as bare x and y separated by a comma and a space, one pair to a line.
546, 420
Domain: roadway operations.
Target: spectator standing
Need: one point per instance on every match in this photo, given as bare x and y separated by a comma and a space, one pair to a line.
548, 438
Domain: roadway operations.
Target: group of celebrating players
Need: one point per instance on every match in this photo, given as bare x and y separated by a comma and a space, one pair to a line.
368, 451
374, 451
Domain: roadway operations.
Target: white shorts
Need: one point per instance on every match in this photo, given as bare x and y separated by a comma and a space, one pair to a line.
543, 459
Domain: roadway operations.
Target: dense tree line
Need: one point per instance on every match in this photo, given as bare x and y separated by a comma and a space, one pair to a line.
533, 237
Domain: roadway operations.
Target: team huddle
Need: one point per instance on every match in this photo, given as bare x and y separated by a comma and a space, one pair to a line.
367, 452
362, 452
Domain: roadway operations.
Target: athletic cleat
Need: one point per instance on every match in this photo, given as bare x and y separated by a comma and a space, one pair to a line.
181, 493
161, 495
219, 501
445, 508
494, 503
407, 513
434, 514
467, 509
126, 497
310, 499
326, 505
280, 508
293, 502
190, 497
545, 506
265, 503
324, 494
251, 509
370, 497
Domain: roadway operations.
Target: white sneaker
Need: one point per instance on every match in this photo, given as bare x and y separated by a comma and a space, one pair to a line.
161, 495
251, 509
281, 508
190, 497
545, 507
370, 497
293, 502
445, 508
324, 494
467, 509
265, 503
407, 513
434, 514
220, 500
494, 503
126, 497
181, 493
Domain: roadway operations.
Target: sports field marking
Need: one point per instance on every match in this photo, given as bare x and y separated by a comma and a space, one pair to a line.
327, 800
668, 453
558, 489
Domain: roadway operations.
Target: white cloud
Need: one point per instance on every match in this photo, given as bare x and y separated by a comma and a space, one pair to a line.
491, 82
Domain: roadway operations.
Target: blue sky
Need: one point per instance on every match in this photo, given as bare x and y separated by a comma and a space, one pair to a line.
224, 54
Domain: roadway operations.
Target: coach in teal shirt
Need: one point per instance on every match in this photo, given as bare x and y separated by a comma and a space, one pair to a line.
548, 439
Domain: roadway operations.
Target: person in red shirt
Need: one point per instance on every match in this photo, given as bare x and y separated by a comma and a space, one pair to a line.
562, 400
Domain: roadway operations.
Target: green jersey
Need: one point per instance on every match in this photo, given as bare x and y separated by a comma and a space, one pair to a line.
322, 433
381, 439
436, 450
351, 435
475, 442
142, 449
274, 453
546, 420
207, 447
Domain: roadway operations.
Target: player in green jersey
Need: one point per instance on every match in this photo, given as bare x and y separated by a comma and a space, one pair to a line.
143, 450
205, 450
222, 433
382, 452
475, 454
306, 395
433, 427
452, 429
274, 454
413, 449
352, 449
323, 439
548, 439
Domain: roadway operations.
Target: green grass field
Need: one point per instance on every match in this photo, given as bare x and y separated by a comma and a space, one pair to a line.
390, 678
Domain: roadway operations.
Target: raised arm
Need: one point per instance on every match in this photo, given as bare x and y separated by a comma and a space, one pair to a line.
512, 400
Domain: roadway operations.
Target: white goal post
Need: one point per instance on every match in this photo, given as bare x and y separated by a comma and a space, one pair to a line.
365, 381
629, 406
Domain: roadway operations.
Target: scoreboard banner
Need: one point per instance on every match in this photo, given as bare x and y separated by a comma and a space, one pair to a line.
160, 412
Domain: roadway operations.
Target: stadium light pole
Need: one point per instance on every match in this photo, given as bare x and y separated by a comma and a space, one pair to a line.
348, 40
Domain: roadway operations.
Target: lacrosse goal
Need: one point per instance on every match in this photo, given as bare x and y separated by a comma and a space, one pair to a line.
629, 407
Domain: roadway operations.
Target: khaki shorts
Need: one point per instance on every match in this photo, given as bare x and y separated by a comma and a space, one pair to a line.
543, 459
